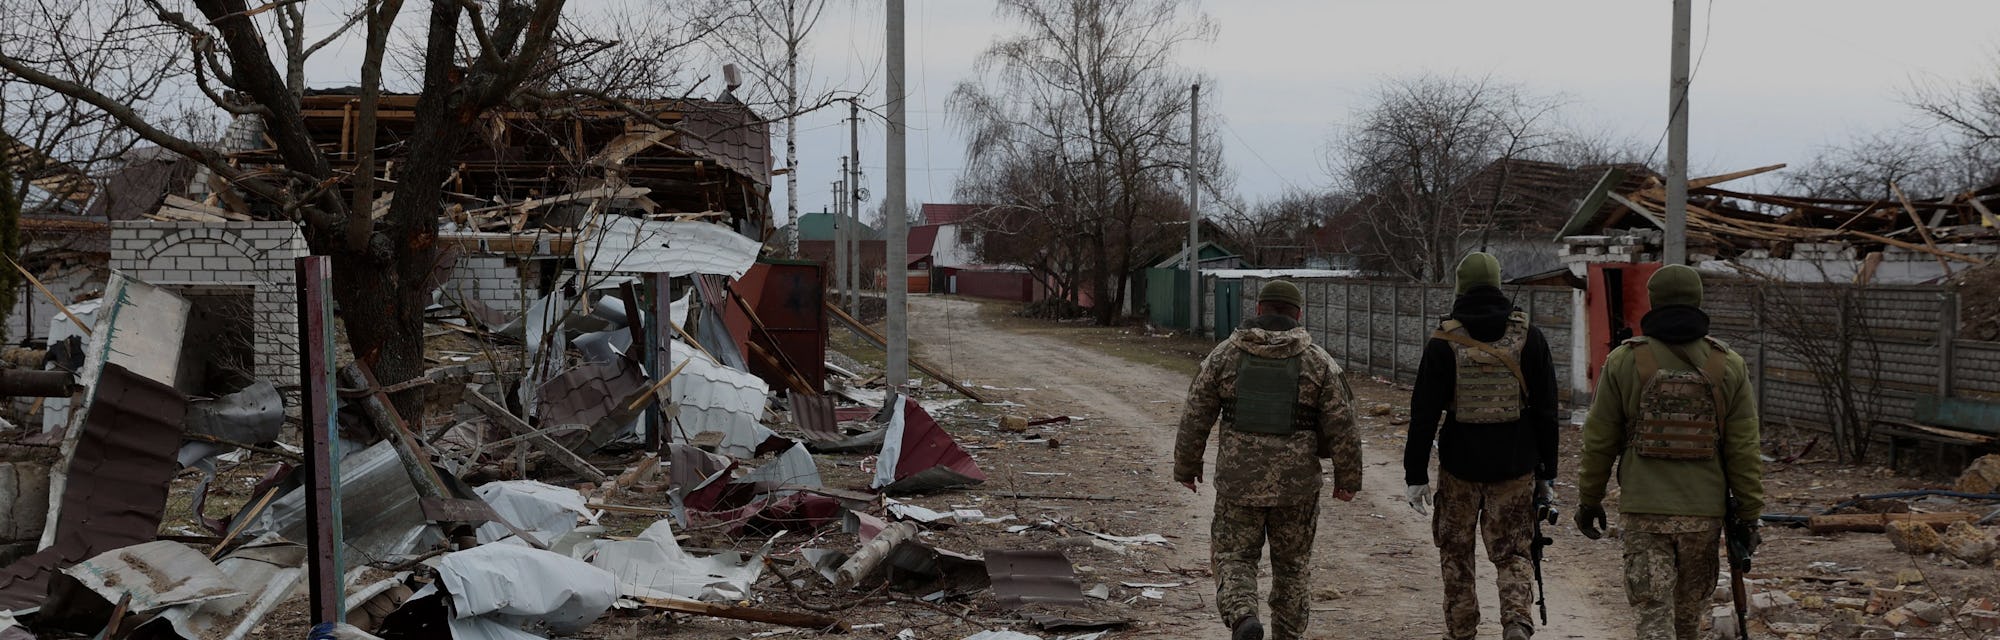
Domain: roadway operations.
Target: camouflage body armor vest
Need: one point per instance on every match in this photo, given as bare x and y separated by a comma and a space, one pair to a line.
1267, 398
1680, 411
1490, 385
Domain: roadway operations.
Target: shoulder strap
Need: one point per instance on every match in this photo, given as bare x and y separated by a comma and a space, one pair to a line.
1643, 361
1512, 366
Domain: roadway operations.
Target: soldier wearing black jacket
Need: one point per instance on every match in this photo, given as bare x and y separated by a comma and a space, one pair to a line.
1487, 372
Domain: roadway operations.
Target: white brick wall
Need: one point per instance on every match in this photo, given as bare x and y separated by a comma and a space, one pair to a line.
502, 284
257, 255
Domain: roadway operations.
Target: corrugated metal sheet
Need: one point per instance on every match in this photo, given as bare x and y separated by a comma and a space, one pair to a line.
588, 394
925, 458
712, 397
623, 244
1032, 576
265, 570
815, 416
729, 134
156, 575
116, 481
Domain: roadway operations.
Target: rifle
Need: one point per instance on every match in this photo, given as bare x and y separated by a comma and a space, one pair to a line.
1545, 510
1739, 565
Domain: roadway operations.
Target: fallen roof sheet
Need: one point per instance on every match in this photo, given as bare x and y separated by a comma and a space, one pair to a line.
379, 511
918, 456
266, 569
1033, 576
715, 398
516, 584
117, 478
544, 511
155, 575
624, 244
594, 396
815, 416
654, 566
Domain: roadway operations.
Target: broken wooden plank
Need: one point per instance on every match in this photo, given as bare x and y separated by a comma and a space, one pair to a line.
390, 426
1923, 230
628, 509
814, 621
185, 204
512, 423
1879, 522
51, 295
883, 343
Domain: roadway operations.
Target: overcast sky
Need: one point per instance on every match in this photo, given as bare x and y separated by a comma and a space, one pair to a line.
1777, 78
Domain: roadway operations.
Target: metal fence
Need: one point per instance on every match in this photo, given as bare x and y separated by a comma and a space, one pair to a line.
1903, 339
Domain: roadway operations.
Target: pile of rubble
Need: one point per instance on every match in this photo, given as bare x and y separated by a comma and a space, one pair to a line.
1946, 547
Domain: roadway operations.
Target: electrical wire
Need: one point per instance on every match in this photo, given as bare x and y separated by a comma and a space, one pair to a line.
1707, 33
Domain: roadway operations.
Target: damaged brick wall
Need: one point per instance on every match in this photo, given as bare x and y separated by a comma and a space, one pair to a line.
254, 255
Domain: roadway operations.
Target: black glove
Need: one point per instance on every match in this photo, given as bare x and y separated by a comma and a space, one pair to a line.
1590, 520
1749, 536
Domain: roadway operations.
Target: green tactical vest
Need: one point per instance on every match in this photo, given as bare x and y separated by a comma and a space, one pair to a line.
1679, 418
1267, 395
1489, 390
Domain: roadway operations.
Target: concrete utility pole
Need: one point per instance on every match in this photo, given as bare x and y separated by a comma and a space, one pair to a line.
854, 206
1194, 211
1675, 249
896, 237
840, 231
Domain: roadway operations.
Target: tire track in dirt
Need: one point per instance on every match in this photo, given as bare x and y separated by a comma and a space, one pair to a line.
1375, 571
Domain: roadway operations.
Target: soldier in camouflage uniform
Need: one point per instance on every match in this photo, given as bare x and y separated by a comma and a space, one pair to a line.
1283, 405
1675, 412
1488, 374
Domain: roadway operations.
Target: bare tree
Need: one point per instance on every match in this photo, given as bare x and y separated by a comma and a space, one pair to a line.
769, 38
1083, 125
1285, 230
1865, 167
1967, 110
1411, 153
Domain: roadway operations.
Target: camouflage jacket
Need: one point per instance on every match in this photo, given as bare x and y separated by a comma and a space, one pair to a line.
1255, 469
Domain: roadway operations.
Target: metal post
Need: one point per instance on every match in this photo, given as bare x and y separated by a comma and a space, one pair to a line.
659, 348
1947, 343
1675, 249
854, 207
1194, 210
896, 236
317, 394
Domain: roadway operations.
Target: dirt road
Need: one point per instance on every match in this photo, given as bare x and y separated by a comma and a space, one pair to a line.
1376, 571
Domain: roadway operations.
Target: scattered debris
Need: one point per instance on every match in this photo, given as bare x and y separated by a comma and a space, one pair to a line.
654, 566
1032, 577
919, 457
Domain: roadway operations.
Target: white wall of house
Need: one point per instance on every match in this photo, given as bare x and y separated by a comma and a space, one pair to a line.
954, 246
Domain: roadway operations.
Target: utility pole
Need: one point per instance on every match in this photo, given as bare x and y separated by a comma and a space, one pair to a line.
840, 231
1675, 249
1194, 210
896, 237
854, 206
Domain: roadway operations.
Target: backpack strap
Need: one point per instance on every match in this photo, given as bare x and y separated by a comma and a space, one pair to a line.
1713, 371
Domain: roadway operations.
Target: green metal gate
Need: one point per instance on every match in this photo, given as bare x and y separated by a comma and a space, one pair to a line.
1228, 307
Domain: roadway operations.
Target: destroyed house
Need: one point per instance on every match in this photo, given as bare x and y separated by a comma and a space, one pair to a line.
1906, 240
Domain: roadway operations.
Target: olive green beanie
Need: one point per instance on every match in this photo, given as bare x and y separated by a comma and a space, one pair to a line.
1282, 291
1478, 269
1675, 284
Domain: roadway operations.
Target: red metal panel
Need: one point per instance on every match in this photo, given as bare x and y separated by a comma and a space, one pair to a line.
1616, 298
788, 297
1013, 286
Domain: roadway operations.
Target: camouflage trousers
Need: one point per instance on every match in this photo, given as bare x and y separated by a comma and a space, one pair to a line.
1237, 539
1503, 513
1670, 568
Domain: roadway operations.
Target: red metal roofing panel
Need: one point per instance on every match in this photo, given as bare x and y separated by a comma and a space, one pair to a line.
930, 458
117, 487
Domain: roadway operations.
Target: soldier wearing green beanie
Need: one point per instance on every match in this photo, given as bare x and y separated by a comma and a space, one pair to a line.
1487, 372
1283, 406
1676, 413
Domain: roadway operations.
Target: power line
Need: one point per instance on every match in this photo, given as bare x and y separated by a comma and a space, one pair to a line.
1260, 157
1707, 31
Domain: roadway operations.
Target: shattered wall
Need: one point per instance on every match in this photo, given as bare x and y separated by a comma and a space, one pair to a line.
254, 255
495, 281
32, 310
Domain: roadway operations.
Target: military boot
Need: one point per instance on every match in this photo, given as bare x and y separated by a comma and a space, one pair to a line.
1517, 632
1247, 628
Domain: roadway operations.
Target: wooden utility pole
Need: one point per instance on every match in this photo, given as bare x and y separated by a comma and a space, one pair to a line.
896, 236
1675, 249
